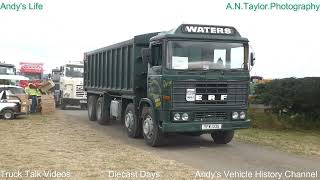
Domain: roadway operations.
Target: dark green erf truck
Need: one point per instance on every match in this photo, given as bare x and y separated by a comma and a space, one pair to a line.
190, 80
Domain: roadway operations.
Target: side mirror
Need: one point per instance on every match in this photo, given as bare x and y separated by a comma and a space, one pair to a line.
146, 55
252, 58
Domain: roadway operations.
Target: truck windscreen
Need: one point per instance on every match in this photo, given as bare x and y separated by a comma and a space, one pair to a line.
74, 71
7, 71
190, 55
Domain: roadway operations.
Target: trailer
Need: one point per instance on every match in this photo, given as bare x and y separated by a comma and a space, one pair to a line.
191, 80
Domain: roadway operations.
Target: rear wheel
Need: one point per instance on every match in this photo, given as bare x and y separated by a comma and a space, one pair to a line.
8, 114
132, 123
151, 131
92, 101
222, 137
102, 111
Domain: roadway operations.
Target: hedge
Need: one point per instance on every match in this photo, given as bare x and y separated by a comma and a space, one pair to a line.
292, 96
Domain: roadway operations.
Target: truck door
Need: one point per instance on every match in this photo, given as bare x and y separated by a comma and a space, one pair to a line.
154, 74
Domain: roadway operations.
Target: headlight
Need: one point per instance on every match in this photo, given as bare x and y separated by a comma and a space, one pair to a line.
235, 115
185, 116
176, 117
242, 115
66, 95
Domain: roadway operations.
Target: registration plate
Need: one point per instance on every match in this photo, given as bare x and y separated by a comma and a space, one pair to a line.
83, 101
211, 126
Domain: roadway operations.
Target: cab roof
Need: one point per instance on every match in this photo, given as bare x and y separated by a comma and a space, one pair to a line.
201, 32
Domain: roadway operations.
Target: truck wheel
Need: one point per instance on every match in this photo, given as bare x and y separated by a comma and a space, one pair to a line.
83, 107
92, 101
222, 137
8, 114
132, 123
102, 111
151, 132
63, 105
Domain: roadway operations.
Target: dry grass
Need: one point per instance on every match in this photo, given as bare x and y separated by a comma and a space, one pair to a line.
298, 142
54, 143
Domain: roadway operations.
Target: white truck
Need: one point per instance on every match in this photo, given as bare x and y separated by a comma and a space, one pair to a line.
70, 86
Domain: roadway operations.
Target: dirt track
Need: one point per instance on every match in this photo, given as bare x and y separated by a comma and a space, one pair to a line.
69, 143
75, 150
201, 153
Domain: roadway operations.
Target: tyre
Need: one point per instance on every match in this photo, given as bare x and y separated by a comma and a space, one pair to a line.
151, 132
92, 101
102, 111
132, 123
8, 114
83, 107
62, 105
222, 137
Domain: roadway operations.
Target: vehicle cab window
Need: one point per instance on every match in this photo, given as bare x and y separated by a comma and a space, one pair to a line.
156, 52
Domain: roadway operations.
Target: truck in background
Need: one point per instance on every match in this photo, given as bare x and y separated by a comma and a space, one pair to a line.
191, 80
8, 75
7, 69
69, 85
33, 71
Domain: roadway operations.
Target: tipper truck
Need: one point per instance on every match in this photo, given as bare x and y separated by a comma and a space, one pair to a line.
191, 80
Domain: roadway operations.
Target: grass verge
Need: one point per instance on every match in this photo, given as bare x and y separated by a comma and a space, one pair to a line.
304, 142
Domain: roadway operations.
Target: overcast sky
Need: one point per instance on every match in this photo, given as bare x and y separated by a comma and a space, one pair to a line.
286, 43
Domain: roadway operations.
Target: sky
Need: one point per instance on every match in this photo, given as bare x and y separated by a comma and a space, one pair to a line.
286, 43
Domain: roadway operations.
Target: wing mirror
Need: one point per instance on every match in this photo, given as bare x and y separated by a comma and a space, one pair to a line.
146, 55
252, 58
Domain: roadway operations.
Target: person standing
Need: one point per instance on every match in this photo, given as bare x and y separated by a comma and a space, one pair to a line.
33, 92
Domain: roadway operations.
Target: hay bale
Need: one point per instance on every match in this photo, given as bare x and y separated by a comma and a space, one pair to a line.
47, 104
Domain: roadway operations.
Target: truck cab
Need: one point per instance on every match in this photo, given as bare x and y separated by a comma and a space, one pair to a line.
33, 71
7, 69
71, 85
198, 80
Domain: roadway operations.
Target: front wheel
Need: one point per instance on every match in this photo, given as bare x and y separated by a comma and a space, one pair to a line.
151, 131
8, 114
222, 137
83, 106
63, 105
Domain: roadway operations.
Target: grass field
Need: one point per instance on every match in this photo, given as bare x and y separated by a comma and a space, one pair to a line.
293, 141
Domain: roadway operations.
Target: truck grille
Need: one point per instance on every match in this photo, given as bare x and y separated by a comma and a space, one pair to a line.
80, 92
209, 116
236, 93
